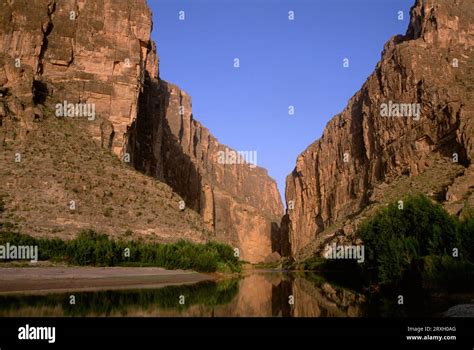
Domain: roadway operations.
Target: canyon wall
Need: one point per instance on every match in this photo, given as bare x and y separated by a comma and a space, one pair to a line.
100, 53
81, 52
240, 203
339, 175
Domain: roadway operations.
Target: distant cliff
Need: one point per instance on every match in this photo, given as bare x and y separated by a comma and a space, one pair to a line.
380, 147
99, 53
238, 202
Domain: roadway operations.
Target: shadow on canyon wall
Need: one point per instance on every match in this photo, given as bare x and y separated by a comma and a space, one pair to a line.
156, 149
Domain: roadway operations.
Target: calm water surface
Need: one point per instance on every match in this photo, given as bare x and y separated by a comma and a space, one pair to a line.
261, 294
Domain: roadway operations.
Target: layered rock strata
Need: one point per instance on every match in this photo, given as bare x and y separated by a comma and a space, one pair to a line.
99, 54
414, 110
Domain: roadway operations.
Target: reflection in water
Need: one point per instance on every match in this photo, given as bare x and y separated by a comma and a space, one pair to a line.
269, 294
325, 300
264, 294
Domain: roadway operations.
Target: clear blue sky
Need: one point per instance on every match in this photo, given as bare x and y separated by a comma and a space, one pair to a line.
282, 63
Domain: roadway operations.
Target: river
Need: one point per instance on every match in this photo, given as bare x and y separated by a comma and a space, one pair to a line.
259, 293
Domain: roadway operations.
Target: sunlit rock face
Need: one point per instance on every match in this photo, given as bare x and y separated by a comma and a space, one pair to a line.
99, 53
93, 52
414, 112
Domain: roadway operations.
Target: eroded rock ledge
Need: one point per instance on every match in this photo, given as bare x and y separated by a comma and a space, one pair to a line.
361, 154
99, 52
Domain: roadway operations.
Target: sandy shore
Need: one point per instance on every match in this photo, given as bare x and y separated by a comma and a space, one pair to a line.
39, 280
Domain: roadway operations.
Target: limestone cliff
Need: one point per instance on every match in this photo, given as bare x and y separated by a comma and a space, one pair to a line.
238, 202
81, 52
367, 156
55, 180
99, 53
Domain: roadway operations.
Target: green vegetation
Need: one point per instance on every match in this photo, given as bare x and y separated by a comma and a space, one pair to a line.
466, 231
419, 242
91, 248
268, 265
313, 263
419, 246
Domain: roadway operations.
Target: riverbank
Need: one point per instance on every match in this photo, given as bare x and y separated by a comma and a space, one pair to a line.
38, 280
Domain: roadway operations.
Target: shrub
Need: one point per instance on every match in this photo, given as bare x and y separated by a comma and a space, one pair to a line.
206, 261
466, 232
448, 273
16, 239
398, 240
54, 249
82, 250
91, 248
313, 263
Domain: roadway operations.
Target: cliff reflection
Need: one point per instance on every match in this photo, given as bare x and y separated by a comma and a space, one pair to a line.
258, 294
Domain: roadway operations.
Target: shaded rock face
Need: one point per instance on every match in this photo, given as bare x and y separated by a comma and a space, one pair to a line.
238, 202
430, 68
99, 53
